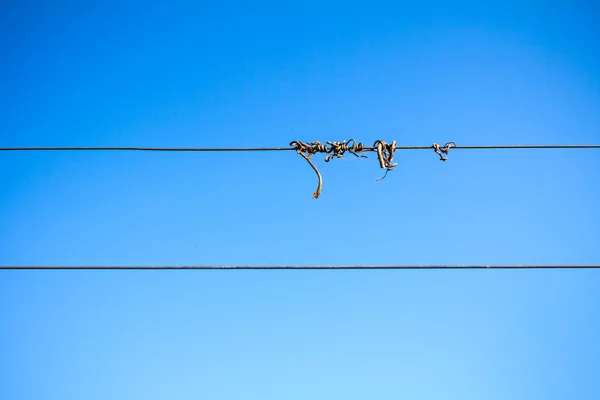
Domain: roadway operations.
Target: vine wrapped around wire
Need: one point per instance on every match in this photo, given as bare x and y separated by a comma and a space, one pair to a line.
440, 150
385, 154
333, 149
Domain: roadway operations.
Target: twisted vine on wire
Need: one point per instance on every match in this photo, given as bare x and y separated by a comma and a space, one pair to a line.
306, 151
440, 150
385, 151
385, 154
333, 149
339, 148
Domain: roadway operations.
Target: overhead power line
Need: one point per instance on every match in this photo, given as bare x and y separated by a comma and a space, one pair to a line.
280, 267
385, 151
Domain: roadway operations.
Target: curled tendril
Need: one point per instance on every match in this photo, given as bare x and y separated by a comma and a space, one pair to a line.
385, 154
441, 150
333, 149
338, 149
306, 151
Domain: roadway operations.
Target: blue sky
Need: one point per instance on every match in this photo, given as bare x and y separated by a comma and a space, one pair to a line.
263, 74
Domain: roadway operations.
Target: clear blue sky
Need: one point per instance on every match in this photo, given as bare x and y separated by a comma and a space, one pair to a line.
263, 74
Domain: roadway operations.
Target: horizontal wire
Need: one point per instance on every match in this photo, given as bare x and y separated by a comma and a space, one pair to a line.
145, 148
279, 267
532, 146
208, 149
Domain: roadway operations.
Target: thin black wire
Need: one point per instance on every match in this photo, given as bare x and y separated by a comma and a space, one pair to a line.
145, 148
221, 267
208, 149
532, 146
280, 267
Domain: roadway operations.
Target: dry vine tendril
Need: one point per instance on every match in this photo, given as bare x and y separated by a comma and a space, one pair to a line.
339, 148
333, 149
443, 149
385, 153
